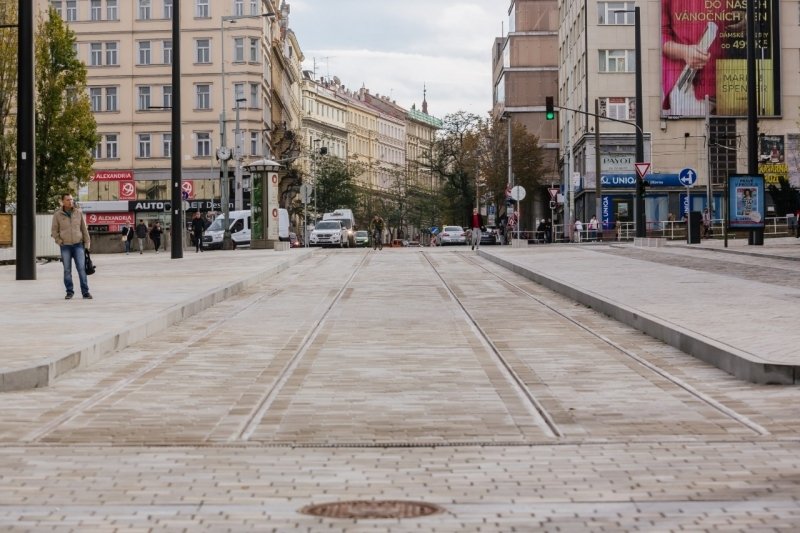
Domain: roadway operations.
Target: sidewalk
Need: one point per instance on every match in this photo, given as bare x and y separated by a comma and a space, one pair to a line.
719, 313
135, 296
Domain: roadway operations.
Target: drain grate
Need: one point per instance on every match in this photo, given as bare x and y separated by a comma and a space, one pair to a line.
372, 509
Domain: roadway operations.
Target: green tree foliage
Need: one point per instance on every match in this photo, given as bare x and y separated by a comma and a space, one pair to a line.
8, 88
786, 197
65, 127
336, 184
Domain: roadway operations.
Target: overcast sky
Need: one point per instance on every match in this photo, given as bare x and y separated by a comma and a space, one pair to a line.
394, 47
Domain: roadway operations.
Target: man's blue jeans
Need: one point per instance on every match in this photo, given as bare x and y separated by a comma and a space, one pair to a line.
69, 253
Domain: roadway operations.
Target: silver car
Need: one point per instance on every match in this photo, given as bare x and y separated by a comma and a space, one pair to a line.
452, 235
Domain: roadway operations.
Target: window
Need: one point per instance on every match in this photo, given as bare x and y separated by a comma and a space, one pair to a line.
168, 9
254, 7
238, 92
111, 146
72, 10
143, 150
166, 96
255, 146
238, 49
203, 96
203, 144
166, 144
57, 5
96, 10
111, 99
617, 61
615, 13
166, 47
201, 9
97, 151
254, 50
619, 108
111, 54
95, 54
144, 9
111, 10
96, 98
144, 52
144, 98
238, 8
203, 51
254, 95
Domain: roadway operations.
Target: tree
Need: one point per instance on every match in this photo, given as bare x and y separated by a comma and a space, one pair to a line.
786, 197
335, 184
8, 87
66, 130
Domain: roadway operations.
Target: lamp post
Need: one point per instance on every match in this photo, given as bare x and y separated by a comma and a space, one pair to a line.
177, 229
238, 202
26, 144
641, 219
224, 153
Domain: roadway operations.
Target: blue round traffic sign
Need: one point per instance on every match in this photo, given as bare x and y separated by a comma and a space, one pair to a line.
687, 177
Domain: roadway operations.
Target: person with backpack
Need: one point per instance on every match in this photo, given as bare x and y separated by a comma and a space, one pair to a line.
141, 234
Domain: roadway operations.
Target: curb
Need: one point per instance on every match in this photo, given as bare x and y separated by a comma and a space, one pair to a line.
42, 375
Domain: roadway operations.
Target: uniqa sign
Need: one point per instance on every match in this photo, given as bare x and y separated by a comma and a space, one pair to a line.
618, 180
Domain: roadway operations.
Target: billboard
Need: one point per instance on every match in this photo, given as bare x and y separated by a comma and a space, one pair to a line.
746, 207
772, 159
704, 52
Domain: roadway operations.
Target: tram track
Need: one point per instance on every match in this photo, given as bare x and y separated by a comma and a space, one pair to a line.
706, 399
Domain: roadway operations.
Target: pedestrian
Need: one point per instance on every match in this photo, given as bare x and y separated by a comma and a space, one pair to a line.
476, 224
141, 234
593, 228
540, 232
155, 235
198, 226
706, 223
578, 230
127, 235
548, 231
70, 232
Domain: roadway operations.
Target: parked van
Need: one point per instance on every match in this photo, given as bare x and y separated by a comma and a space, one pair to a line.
348, 221
241, 225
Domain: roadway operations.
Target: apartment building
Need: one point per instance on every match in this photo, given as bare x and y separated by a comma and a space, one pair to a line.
228, 53
681, 128
525, 69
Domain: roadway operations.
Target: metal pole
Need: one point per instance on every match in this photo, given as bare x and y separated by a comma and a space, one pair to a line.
177, 228
641, 218
237, 141
756, 235
26, 147
510, 182
709, 194
225, 193
598, 182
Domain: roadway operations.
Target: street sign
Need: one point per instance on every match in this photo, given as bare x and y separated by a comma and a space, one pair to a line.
553, 193
518, 193
687, 177
305, 193
642, 169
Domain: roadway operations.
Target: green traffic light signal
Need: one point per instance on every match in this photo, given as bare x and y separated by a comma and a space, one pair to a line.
549, 110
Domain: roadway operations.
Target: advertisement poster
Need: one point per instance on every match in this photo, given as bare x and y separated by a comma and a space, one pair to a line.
704, 52
772, 159
746, 206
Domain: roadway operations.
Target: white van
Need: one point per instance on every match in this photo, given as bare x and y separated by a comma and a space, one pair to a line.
241, 225
345, 216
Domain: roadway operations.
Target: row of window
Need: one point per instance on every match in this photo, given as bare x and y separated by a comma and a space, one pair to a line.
106, 98
145, 9
107, 53
146, 143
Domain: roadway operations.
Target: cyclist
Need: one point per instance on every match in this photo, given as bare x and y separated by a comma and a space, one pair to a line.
376, 230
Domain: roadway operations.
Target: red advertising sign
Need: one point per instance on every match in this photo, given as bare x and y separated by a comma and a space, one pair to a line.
113, 175
114, 221
188, 188
127, 190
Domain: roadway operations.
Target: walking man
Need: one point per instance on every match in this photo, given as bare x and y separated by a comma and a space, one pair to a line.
70, 232
141, 234
476, 224
198, 226
155, 235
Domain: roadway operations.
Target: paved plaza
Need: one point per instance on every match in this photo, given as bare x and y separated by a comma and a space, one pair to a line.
514, 389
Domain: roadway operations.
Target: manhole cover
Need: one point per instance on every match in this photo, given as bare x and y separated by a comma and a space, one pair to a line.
365, 509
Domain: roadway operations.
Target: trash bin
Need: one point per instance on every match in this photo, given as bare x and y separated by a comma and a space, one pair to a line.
695, 227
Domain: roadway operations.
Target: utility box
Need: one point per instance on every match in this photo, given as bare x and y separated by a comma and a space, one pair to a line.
695, 228
6, 229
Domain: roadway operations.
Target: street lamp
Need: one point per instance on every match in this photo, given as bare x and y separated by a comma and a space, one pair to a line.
510, 182
224, 153
238, 202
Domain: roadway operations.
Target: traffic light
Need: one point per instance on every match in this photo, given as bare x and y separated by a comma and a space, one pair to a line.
641, 185
549, 110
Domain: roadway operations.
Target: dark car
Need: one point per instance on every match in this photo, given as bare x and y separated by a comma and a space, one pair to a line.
488, 237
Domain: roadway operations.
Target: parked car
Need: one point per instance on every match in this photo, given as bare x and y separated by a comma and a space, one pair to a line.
294, 241
488, 237
452, 235
362, 238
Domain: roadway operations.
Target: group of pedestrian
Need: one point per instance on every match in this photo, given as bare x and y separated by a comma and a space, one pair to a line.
141, 232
